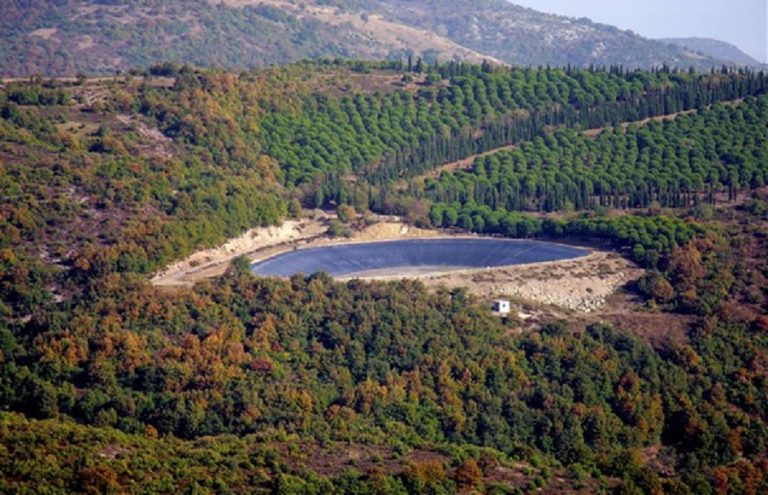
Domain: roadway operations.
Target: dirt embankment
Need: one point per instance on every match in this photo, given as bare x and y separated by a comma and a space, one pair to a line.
214, 262
264, 242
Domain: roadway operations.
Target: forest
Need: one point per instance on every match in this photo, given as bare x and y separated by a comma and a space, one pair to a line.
676, 163
394, 364
109, 384
458, 110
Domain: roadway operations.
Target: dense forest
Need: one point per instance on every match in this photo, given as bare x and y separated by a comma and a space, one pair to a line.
405, 135
394, 364
677, 163
108, 384
457, 111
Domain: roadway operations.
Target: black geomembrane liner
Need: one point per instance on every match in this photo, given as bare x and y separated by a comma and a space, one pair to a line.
346, 260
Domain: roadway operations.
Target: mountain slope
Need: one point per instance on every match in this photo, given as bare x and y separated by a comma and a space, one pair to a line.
63, 38
714, 48
524, 36
103, 36
309, 385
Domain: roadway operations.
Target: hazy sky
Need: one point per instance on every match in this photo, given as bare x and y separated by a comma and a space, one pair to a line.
740, 22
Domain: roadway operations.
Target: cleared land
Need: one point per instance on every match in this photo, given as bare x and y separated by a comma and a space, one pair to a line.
581, 284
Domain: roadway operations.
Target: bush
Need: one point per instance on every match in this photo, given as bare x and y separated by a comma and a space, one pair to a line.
346, 213
338, 229
469, 474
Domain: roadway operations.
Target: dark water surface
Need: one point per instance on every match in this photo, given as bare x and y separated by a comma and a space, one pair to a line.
413, 256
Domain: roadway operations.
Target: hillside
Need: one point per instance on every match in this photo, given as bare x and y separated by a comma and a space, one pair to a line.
524, 36
714, 48
242, 384
101, 36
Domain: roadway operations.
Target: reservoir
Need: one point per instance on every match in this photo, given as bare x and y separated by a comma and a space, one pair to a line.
413, 257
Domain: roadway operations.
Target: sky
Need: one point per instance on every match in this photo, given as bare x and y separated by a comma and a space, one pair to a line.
739, 22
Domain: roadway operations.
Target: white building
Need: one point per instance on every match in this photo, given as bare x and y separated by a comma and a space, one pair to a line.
501, 306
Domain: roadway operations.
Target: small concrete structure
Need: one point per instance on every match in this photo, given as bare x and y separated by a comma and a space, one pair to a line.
501, 306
